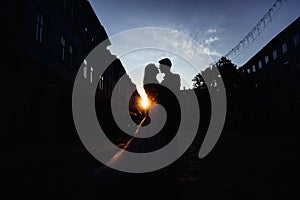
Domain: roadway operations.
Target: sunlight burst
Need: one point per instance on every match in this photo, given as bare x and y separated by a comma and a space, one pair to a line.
144, 101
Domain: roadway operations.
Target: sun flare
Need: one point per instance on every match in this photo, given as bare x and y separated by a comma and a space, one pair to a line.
144, 101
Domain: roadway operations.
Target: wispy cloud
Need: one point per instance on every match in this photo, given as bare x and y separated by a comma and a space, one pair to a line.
211, 52
211, 30
211, 40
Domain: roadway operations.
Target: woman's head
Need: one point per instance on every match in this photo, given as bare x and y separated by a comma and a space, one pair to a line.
151, 71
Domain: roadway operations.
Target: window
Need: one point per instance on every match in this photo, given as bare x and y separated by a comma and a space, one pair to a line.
85, 72
63, 47
67, 51
70, 9
296, 39
284, 48
72, 12
91, 75
259, 64
101, 84
266, 59
39, 32
253, 68
70, 60
274, 55
85, 69
248, 70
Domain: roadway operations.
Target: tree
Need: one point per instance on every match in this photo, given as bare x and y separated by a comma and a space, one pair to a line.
199, 81
229, 73
210, 77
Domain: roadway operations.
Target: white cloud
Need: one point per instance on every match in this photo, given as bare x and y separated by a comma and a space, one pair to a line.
211, 40
211, 52
211, 30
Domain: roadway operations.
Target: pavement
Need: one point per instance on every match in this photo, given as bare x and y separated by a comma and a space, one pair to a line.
242, 165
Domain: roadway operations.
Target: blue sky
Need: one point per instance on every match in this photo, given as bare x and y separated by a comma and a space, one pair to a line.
215, 24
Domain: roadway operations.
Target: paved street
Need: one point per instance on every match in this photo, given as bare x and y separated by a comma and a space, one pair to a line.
242, 165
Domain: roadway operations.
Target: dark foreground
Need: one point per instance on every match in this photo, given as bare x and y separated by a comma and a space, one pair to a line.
248, 165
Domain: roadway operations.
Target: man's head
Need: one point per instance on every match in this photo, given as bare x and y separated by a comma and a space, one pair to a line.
165, 65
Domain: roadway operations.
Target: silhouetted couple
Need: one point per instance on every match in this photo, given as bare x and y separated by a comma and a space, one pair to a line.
170, 80
163, 94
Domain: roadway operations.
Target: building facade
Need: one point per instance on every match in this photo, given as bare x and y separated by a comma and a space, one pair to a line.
44, 44
271, 81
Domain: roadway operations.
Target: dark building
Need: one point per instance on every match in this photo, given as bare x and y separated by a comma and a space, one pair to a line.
271, 81
43, 44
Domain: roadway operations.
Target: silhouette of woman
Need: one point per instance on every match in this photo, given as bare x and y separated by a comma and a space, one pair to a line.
150, 81
143, 145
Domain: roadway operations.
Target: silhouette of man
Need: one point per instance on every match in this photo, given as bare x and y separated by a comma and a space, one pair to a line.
168, 100
171, 80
